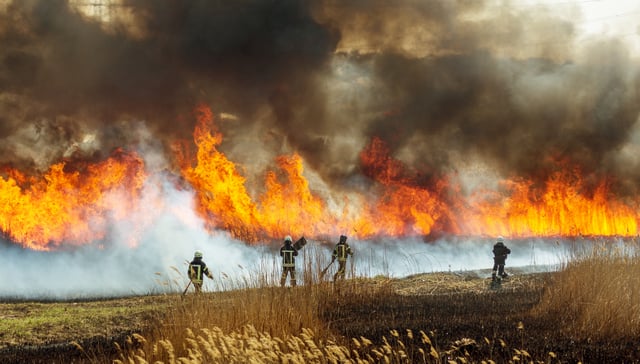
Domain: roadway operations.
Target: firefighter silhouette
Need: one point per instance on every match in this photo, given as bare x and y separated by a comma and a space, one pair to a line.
500, 252
341, 251
197, 270
288, 253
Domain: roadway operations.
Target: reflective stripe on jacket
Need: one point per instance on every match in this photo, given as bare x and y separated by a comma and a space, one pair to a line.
288, 254
341, 251
197, 270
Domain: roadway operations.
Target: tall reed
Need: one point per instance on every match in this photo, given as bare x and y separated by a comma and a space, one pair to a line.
596, 293
253, 296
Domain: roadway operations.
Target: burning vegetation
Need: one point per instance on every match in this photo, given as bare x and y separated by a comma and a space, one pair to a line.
134, 132
166, 127
290, 118
73, 202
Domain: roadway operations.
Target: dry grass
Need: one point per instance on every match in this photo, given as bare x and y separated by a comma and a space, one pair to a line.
459, 282
279, 311
587, 312
303, 325
596, 294
249, 345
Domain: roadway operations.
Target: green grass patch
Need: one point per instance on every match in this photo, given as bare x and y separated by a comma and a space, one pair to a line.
36, 323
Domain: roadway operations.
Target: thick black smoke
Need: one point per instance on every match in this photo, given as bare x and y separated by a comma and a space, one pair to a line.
514, 87
439, 81
65, 70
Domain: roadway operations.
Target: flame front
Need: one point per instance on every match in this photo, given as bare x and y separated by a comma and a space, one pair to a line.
288, 205
400, 207
70, 207
394, 204
560, 209
75, 203
224, 202
222, 196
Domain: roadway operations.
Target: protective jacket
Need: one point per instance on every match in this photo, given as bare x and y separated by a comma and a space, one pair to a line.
341, 251
500, 252
197, 270
288, 254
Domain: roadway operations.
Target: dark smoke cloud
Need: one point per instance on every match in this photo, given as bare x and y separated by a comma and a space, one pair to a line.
436, 80
520, 114
239, 55
514, 88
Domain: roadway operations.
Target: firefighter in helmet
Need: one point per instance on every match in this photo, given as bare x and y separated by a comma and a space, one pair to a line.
341, 251
197, 270
500, 252
288, 253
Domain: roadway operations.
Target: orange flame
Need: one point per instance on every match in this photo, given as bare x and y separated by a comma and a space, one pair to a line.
74, 204
70, 206
562, 208
402, 208
221, 193
394, 204
285, 208
290, 207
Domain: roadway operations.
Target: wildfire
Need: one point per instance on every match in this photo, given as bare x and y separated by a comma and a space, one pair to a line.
402, 208
220, 189
75, 203
395, 205
285, 208
563, 207
69, 204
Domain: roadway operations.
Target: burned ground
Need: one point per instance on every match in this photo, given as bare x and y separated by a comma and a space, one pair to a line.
463, 316
458, 311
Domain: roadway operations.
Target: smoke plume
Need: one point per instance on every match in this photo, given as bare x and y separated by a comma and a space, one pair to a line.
435, 79
475, 89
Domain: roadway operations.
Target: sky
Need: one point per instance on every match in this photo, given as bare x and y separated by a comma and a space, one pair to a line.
486, 89
617, 18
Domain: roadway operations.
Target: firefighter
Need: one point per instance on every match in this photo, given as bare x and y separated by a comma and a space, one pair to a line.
288, 253
500, 252
341, 251
197, 270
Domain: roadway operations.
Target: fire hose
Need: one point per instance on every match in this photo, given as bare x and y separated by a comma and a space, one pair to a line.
325, 270
186, 288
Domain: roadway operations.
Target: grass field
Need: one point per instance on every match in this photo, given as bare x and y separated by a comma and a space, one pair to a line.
586, 312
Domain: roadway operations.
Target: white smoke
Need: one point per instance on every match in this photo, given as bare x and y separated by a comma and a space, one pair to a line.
145, 253
158, 263
114, 268
148, 252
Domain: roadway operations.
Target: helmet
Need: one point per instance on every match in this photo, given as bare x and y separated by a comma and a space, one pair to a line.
343, 238
500, 239
287, 238
197, 254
